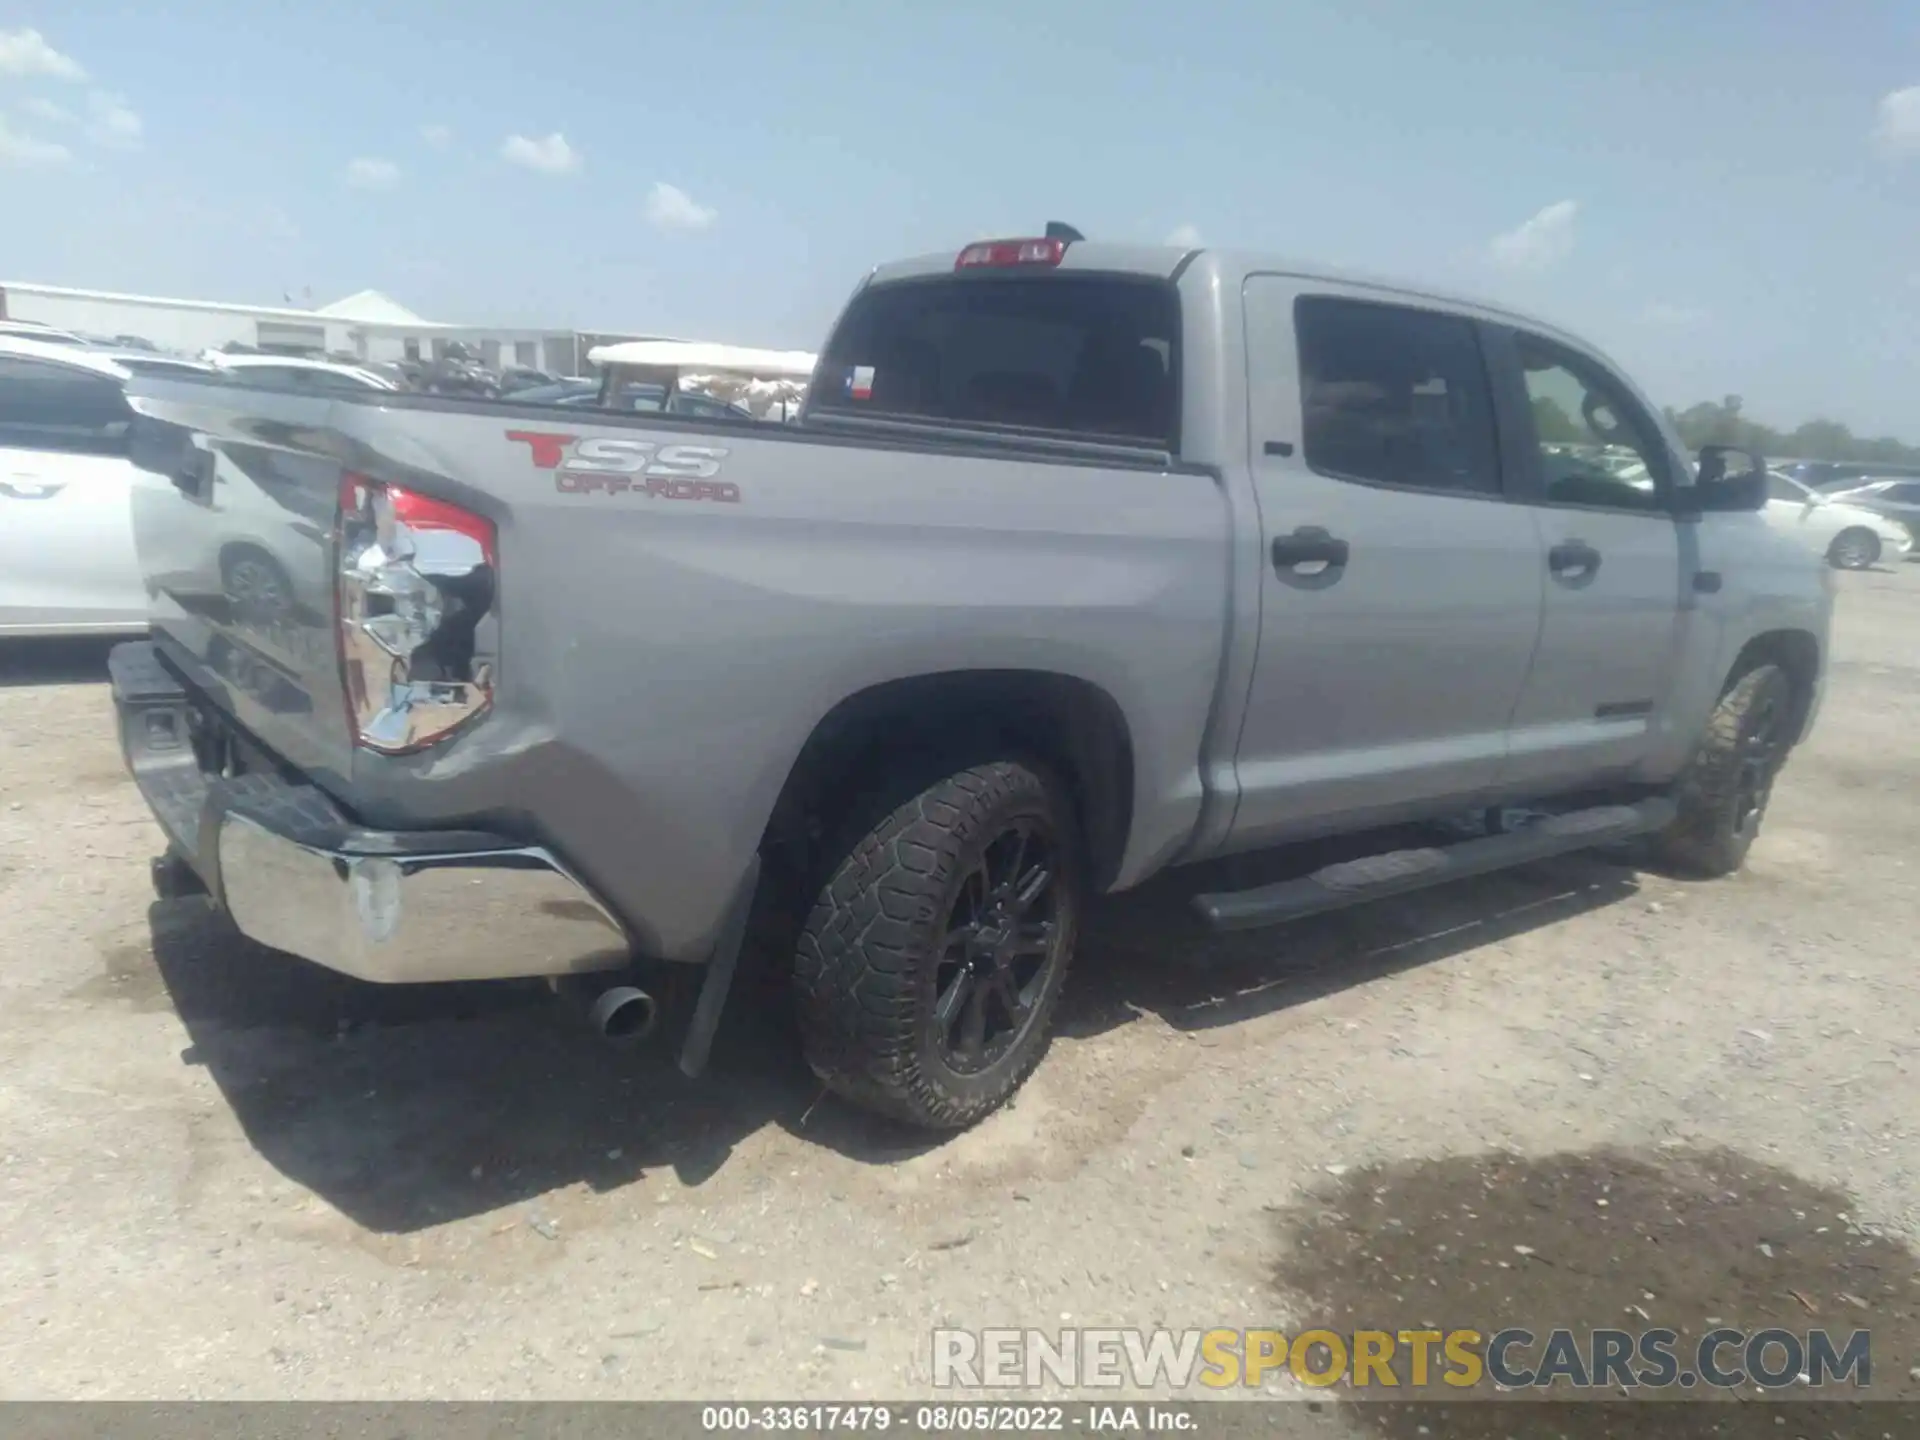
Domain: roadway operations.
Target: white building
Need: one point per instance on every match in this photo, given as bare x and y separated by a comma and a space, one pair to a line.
368, 326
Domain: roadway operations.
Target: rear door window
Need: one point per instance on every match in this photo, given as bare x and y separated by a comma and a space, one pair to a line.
1391, 395
1091, 356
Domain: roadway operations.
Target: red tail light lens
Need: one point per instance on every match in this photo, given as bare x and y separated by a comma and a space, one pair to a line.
1003, 253
415, 593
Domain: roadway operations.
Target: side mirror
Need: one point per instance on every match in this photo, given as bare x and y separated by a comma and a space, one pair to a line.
1722, 488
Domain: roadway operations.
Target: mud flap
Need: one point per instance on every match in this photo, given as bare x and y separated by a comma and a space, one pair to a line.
719, 978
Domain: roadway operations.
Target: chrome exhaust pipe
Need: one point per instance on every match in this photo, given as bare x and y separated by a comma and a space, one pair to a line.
619, 1014
623, 1015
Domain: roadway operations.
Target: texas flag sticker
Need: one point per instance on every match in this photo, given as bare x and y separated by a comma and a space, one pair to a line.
860, 382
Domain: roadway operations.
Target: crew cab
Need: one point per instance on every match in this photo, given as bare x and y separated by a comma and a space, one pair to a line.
1082, 561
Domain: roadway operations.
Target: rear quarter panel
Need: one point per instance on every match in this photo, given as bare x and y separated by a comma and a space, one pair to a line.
664, 660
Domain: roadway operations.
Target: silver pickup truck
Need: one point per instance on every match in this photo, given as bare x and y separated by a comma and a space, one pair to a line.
1083, 561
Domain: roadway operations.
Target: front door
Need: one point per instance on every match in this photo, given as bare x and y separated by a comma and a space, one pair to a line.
1401, 589
1602, 481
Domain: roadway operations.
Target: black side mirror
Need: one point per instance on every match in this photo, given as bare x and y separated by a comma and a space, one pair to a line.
1720, 487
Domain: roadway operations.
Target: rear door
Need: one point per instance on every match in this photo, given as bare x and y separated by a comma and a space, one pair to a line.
1600, 477
66, 533
1401, 593
1900, 501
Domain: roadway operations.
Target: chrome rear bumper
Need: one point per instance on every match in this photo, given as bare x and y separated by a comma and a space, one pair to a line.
298, 875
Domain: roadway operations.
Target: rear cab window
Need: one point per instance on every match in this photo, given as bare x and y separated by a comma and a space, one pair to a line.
1088, 356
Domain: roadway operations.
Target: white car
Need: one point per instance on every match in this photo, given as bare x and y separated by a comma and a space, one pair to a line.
67, 560
34, 330
1850, 536
67, 563
292, 372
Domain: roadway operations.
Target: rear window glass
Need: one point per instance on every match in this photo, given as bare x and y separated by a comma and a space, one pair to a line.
1090, 356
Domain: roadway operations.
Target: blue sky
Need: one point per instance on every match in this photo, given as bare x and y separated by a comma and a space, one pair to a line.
1725, 195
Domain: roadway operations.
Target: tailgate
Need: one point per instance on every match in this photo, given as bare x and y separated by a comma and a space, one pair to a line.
233, 522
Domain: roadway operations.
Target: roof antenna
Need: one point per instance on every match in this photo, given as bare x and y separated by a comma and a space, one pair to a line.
1060, 230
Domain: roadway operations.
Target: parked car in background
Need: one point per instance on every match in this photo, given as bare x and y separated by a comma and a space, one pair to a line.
289, 372
34, 330
581, 394
1851, 536
144, 362
553, 392
1892, 497
67, 562
519, 378
1831, 476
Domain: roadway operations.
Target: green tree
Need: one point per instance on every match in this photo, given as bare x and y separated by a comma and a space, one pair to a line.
1726, 423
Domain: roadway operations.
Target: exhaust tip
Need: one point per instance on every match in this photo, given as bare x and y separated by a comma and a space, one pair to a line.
623, 1014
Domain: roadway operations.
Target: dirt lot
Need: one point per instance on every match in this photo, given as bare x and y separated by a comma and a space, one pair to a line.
228, 1174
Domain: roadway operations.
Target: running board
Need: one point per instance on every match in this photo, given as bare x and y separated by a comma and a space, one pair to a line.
1399, 871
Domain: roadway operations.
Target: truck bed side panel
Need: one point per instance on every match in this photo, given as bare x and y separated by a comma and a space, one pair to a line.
663, 660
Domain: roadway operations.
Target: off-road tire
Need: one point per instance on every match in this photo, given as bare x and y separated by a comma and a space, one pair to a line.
1856, 548
867, 958
1708, 837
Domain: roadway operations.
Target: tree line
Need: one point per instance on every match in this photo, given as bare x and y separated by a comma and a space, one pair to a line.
1724, 424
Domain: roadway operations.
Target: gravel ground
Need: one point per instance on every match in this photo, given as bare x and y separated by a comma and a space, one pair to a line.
227, 1174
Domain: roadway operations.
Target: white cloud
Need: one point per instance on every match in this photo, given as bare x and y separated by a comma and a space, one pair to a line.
1540, 243
1188, 235
671, 208
26, 52
370, 173
112, 122
551, 156
438, 136
1676, 317
47, 110
18, 149
1898, 132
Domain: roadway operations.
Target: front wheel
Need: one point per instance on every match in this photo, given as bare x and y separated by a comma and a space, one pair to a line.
928, 970
1723, 795
1855, 549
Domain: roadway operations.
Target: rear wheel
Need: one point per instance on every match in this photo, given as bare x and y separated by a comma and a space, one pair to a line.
1724, 793
1855, 549
928, 970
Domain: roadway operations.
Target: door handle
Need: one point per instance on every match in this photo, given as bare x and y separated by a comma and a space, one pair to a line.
1308, 545
1573, 560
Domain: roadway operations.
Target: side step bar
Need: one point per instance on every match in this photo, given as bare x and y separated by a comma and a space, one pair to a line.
1400, 871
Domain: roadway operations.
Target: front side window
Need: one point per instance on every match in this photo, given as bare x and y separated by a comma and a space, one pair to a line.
1091, 356
1595, 445
1395, 396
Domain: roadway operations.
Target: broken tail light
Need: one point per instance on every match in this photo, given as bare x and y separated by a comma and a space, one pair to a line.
416, 580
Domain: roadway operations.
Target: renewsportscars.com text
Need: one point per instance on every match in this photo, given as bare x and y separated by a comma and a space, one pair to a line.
1461, 1359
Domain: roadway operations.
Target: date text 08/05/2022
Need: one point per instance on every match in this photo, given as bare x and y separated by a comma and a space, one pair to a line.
947, 1419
